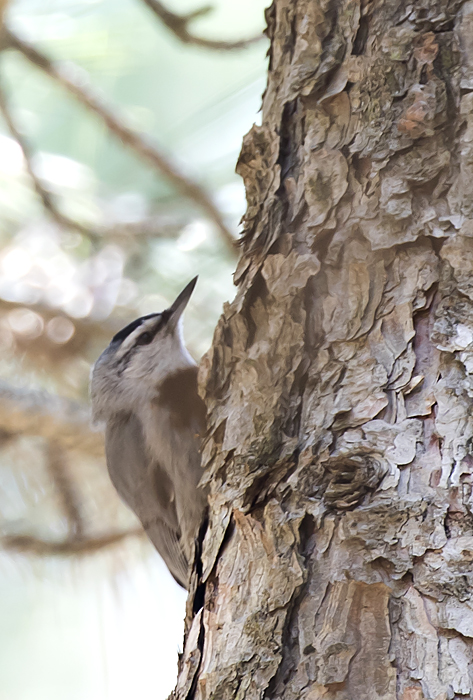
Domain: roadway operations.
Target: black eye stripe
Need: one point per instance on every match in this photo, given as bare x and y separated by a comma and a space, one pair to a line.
149, 335
145, 338
125, 332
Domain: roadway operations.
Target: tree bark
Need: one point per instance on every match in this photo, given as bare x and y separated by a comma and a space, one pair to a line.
337, 561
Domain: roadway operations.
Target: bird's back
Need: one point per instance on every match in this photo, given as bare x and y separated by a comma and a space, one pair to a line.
145, 487
153, 457
175, 428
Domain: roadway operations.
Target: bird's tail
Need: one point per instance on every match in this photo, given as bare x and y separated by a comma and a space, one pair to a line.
168, 543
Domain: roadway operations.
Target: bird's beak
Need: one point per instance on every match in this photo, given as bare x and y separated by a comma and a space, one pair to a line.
177, 308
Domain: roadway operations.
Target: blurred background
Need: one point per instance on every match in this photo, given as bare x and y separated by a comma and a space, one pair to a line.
120, 126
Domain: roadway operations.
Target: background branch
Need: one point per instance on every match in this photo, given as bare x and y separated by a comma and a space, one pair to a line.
29, 412
3, 7
46, 197
85, 328
137, 142
178, 24
153, 226
29, 544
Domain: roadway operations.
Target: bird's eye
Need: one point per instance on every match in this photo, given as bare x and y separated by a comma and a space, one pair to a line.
144, 339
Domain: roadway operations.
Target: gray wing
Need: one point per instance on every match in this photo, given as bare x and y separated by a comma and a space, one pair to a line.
146, 489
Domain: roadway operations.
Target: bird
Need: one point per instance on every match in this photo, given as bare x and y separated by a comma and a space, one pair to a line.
143, 389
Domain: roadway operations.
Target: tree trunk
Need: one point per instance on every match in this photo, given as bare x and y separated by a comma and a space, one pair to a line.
337, 561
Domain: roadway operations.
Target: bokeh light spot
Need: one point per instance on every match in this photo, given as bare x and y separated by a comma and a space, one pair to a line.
26, 323
60, 329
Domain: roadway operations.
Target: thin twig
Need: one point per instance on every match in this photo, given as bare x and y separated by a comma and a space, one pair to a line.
153, 226
178, 25
30, 544
71, 80
46, 197
65, 488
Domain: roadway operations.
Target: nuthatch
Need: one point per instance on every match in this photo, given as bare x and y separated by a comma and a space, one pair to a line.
144, 388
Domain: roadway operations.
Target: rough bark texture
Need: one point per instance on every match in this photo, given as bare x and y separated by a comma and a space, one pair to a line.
337, 561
